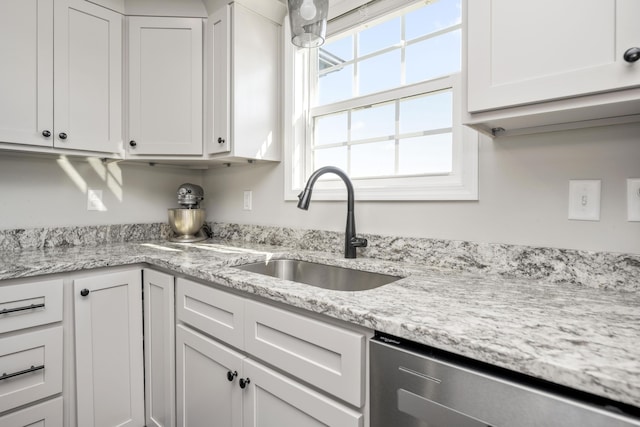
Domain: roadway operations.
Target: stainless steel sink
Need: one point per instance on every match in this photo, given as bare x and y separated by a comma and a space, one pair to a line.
320, 275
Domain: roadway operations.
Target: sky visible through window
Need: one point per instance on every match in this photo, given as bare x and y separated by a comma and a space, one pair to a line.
403, 136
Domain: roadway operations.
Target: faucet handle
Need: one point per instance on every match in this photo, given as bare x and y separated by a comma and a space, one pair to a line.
359, 242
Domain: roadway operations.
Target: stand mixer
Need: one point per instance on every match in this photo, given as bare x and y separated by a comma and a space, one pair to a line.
187, 222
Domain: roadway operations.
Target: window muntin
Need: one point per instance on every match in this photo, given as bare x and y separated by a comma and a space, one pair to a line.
402, 135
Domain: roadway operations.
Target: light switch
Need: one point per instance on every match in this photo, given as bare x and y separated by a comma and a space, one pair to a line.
633, 199
584, 199
248, 195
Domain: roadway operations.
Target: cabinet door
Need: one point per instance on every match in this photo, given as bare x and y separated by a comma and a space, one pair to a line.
159, 348
274, 400
88, 77
256, 85
165, 85
219, 81
526, 52
26, 74
206, 397
109, 361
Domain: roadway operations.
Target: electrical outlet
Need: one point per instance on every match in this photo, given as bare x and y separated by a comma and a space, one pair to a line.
633, 199
584, 200
94, 200
248, 195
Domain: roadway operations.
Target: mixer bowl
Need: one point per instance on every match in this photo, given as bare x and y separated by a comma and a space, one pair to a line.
186, 223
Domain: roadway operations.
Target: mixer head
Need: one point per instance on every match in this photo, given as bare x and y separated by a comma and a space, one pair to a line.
190, 195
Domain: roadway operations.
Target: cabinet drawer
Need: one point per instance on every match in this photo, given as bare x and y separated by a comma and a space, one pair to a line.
30, 367
47, 414
30, 304
214, 312
326, 356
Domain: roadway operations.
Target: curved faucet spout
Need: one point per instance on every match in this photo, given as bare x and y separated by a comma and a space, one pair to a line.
351, 242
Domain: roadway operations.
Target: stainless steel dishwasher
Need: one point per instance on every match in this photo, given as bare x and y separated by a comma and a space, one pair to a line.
417, 386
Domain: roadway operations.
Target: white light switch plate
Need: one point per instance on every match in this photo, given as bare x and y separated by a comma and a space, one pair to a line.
584, 199
633, 199
248, 202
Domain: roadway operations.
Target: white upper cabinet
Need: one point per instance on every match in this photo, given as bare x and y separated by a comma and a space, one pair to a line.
553, 53
165, 86
243, 54
88, 79
26, 74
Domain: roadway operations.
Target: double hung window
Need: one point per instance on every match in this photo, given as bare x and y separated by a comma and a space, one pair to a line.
381, 100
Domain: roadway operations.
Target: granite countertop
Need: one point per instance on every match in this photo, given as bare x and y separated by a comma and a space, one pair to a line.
580, 337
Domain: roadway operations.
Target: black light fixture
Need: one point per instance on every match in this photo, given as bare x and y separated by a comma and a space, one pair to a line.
308, 19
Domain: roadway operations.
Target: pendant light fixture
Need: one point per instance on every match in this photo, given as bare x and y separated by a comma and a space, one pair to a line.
308, 19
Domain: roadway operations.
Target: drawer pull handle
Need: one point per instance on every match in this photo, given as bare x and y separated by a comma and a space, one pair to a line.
84, 292
26, 307
244, 383
232, 375
6, 376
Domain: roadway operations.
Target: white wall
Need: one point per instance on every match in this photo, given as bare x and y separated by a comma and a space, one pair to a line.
524, 185
51, 192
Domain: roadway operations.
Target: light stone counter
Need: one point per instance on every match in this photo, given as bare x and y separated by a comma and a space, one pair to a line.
577, 336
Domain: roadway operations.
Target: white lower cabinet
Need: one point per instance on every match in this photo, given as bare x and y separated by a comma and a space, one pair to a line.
159, 349
205, 395
47, 414
108, 349
221, 386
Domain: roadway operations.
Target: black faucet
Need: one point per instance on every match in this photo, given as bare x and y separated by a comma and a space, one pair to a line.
351, 242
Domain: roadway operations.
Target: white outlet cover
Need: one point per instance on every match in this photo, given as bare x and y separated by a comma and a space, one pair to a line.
633, 199
584, 199
94, 200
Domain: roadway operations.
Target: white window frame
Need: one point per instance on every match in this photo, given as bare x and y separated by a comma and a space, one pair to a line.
460, 184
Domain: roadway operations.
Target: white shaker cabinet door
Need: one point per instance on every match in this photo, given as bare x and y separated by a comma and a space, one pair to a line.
109, 359
88, 77
165, 85
208, 374
159, 349
273, 400
523, 52
26, 73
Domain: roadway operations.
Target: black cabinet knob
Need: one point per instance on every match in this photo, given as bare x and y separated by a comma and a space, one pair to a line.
243, 383
231, 375
220, 140
62, 135
84, 292
46, 133
632, 54
133, 143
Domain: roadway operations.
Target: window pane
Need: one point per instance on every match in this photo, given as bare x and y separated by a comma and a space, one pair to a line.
433, 58
426, 112
336, 52
331, 129
336, 156
434, 17
335, 85
380, 72
425, 154
381, 36
375, 159
373, 122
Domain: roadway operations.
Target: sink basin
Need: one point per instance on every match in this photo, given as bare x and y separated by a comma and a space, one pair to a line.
320, 275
